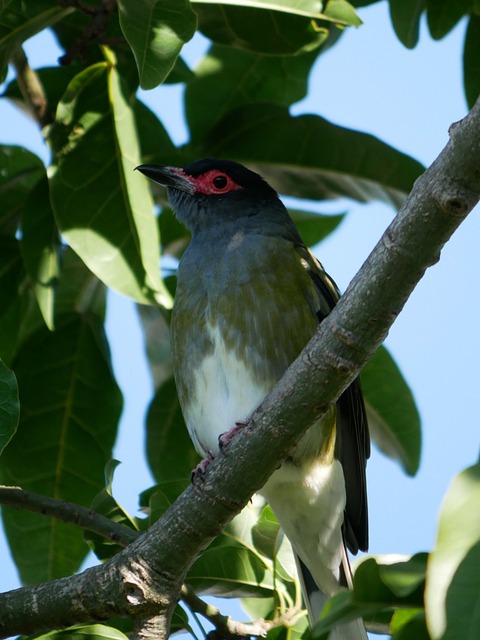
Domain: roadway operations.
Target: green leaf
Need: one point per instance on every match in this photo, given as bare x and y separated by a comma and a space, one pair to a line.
260, 30
452, 595
20, 170
392, 414
87, 632
20, 21
415, 628
9, 405
40, 246
103, 208
405, 16
230, 570
471, 60
175, 237
315, 227
381, 584
443, 15
79, 290
336, 10
313, 158
156, 31
11, 272
228, 78
156, 500
105, 504
71, 405
170, 452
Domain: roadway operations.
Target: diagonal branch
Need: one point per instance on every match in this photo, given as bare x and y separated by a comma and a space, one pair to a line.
145, 579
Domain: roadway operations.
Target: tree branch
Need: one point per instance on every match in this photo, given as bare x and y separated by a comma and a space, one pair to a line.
68, 512
145, 579
30, 87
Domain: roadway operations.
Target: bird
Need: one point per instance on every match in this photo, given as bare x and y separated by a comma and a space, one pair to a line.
249, 296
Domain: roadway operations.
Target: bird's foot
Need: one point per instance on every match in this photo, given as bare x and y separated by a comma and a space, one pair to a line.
225, 438
199, 472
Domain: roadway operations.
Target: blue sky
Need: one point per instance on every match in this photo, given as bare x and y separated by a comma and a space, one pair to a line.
409, 99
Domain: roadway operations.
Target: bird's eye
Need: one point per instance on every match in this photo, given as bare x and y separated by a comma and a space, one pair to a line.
220, 182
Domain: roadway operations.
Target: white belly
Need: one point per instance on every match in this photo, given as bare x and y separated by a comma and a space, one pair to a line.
225, 392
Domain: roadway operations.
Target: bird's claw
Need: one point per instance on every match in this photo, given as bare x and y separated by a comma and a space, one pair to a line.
199, 472
225, 438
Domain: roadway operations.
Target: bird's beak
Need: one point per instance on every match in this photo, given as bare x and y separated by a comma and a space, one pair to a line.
170, 177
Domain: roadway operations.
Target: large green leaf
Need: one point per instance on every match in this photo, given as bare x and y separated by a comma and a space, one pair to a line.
313, 226
11, 272
70, 410
393, 417
443, 15
170, 452
309, 157
21, 20
20, 170
79, 290
102, 207
227, 78
260, 30
339, 11
231, 570
471, 60
452, 595
105, 504
40, 247
9, 405
156, 31
405, 15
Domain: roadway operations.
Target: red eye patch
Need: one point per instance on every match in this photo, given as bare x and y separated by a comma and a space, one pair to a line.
215, 182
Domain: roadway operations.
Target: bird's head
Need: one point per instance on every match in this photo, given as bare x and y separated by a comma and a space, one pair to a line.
211, 192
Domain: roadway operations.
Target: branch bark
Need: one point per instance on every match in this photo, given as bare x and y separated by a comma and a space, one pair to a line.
144, 580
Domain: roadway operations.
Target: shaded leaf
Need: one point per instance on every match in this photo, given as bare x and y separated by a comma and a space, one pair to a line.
79, 290
105, 504
40, 247
9, 405
314, 227
260, 30
443, 15
20, 21
175, 237
11, 272
415, 628
471, 61
156, 32
309, 157
170, 451
452, 595
393, 417
227, 78
20, 170
20, 319
156, 500
335, 10
70, 410
230, 571
102, 207
405, 16
157, 341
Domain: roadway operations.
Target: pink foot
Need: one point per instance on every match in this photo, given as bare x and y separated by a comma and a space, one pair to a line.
199, 472
225, 438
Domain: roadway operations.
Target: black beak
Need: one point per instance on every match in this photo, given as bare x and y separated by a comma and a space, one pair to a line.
169, 177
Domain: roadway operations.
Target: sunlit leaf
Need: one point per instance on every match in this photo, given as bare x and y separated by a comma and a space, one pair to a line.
102, 207
452, 596
156, 31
